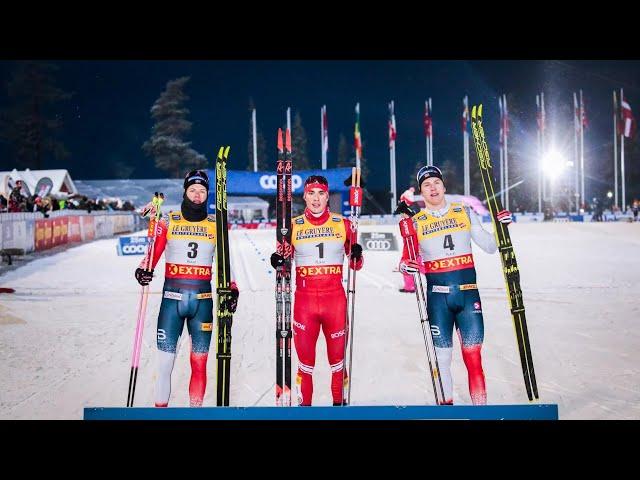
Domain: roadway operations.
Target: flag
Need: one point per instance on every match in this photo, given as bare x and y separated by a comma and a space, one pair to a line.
576, 112
501, 121
465, 115
583, 112
357, 141
325, 130
392, 126
540, 116
428, 122
628, 123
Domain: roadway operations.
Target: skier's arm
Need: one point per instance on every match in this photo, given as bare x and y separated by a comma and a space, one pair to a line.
159, 246
354, 250
485, 240
406, 264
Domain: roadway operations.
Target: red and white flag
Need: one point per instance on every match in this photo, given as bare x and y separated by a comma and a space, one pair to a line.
392, 126
325, 130
428, 122
628, 123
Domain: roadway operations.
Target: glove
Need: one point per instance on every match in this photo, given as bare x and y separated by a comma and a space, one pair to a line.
504, 217
277, 260
409, 266
232, 300
356, 251
144, 276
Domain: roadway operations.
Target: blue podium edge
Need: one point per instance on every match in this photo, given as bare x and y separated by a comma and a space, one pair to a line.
387, 412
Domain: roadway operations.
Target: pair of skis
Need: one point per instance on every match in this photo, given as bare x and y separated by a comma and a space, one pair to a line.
507, 255
223, 281
283, 273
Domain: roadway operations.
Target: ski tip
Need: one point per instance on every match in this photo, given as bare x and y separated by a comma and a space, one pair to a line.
473, 112
226, 152
220, 152
480, 112
280, 144
288, 139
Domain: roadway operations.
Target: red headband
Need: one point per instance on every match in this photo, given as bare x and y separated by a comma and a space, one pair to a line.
310, 186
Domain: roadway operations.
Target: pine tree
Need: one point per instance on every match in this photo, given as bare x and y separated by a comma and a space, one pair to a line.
299, 144
167, 144
30, 124
343, 153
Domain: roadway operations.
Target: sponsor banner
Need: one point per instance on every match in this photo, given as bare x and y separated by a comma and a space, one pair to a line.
379, 241
59, 233
43, 234
87, 228
132, 245
73, 229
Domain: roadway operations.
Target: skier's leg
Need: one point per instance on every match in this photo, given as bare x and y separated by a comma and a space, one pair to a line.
471, 332
169, 329
441, 320
306, 329
333, 314
200, 327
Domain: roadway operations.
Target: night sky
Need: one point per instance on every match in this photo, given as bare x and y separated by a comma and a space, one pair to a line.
108, 118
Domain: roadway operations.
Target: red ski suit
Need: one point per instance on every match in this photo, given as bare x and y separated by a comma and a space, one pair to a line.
319, 247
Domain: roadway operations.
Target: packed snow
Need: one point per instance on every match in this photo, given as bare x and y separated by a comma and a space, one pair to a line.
66, 334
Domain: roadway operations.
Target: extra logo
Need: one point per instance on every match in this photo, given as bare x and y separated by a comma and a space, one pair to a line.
324, 270
270, 182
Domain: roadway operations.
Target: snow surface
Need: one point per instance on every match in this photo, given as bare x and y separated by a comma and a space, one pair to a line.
66, 335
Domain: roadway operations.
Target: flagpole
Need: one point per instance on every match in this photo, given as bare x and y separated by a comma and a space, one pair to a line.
581, 145
615, 150
467, 190
576, 164
506, 151
542, 129
426, 133
539, 119
323, 135
501, 143
624, 197
255, 142
392, 156
430, 133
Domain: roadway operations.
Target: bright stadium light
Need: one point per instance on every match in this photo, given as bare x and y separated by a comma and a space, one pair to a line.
553, 164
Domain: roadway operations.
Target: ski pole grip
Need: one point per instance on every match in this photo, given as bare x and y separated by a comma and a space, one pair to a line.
406, 228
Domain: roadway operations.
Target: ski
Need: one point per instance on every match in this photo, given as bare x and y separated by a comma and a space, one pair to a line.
408, 232
223, 281
355, 201
283, 274
507, 255
153, 210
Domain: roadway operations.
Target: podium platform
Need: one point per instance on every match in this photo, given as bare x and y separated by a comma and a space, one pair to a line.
357, 412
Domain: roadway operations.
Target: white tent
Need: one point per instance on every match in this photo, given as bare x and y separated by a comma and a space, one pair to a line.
61, 180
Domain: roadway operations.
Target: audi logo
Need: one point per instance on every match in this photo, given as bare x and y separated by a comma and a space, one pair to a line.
135, 249
378, 244
270, 182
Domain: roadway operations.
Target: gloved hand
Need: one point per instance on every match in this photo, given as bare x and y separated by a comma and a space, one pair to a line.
409, 266
144, 276
356, 251
504, 217
233, 298
277, 260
